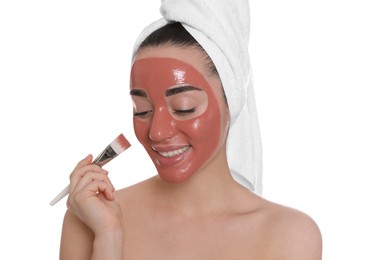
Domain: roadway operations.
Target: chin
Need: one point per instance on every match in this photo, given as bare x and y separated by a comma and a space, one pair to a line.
174, 176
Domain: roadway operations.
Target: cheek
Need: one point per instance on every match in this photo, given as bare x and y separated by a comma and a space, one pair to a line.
141, 129
204, 128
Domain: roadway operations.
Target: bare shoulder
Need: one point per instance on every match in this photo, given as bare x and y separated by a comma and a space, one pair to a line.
291, 233
136, 191
138, 196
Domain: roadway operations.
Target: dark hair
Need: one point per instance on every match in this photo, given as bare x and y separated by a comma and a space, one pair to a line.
175, 34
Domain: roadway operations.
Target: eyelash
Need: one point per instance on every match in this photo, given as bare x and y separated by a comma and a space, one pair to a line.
146, 114
143, 114
185, 112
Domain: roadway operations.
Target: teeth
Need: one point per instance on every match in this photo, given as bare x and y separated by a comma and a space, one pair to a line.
174, 153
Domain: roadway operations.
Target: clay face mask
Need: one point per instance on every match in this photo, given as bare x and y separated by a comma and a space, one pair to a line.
176, 116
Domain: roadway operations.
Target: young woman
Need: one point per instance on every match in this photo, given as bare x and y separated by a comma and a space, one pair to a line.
193, 208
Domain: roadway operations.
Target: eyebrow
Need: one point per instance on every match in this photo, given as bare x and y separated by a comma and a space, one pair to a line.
180, 89
138, 92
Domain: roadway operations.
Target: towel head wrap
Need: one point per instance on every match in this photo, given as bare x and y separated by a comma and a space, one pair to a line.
222, 29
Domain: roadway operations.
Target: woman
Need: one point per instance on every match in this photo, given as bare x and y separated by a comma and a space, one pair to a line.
193, 208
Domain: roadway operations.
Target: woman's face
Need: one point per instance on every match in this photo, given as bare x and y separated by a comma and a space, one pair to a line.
180, 116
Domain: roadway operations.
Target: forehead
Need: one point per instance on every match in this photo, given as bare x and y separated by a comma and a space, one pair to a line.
188, 55
160, 73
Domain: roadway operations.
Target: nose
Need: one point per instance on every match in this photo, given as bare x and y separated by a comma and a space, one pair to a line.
162, 125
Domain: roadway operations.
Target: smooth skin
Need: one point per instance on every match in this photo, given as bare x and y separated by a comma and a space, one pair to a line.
206, 216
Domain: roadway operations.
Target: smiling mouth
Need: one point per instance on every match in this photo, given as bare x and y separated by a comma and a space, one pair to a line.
173, 152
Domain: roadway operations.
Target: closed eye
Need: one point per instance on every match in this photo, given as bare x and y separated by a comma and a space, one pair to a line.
184, 112
143, 114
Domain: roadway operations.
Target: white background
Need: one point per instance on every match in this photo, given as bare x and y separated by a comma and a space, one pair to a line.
64, 75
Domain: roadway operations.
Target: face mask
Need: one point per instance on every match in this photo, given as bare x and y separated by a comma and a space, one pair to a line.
176, 116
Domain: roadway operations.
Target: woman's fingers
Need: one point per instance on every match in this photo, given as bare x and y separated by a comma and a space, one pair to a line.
89, 177
88, 180
81, 169
93, 189
102, 188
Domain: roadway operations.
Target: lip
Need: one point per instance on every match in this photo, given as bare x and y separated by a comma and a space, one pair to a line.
173, 159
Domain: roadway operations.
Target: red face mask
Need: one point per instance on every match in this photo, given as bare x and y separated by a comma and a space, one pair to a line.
176, 116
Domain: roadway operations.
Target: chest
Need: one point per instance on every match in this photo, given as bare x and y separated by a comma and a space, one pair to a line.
202, 238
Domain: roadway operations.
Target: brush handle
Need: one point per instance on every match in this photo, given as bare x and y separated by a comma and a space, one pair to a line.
100, 160
66, 190
61, 195
116, 147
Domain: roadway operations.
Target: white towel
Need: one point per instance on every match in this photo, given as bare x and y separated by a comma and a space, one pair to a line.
221, 27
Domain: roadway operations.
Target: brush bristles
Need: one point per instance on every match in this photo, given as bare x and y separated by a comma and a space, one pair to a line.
120, 144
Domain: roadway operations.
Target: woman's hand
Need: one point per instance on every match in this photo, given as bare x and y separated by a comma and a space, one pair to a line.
92, 199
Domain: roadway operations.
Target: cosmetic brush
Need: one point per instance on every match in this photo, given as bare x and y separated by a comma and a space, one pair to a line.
116, 147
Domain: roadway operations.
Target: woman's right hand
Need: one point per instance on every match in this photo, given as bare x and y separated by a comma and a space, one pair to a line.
92, 199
